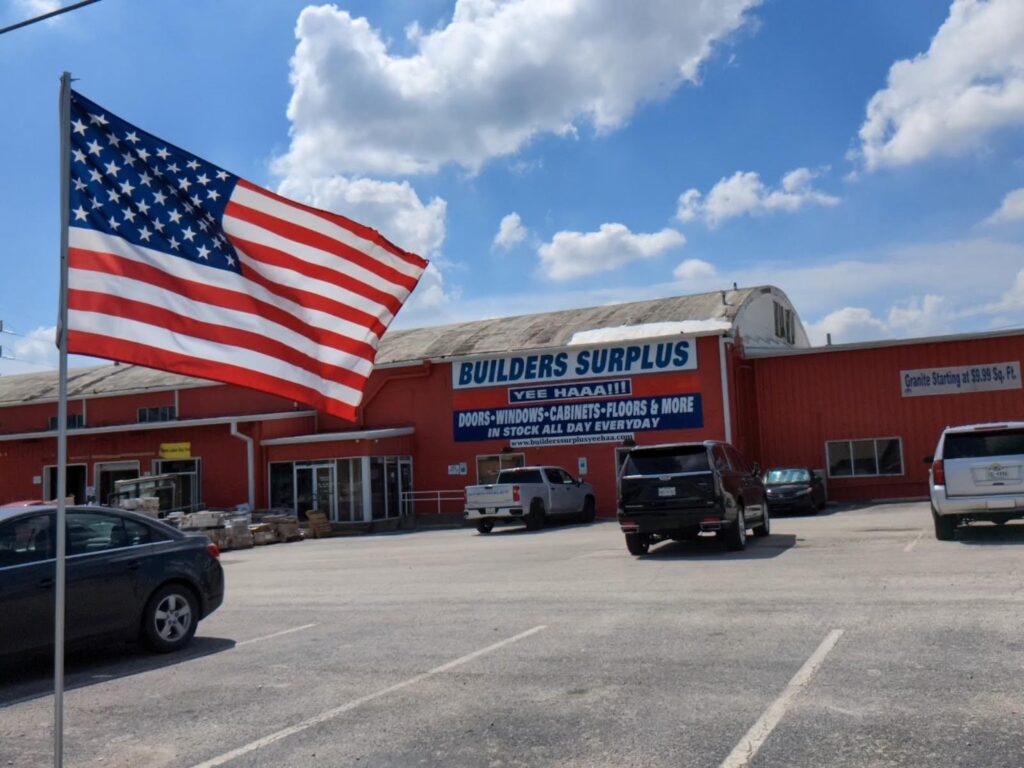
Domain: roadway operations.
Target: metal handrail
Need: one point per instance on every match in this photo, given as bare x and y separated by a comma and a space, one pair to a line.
437, 497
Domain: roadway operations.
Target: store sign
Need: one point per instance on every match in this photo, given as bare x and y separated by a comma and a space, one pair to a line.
576, 363
579, 390
458, 469
579, 422
175, 450
960, 379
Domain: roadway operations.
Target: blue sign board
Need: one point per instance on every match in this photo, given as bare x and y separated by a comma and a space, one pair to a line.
583, 419
577, 390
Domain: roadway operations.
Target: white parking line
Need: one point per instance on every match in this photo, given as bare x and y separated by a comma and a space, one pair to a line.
275, 634
910, 546
759, 731
347, 707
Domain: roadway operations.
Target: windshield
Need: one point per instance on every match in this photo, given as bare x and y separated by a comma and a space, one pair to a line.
784, 476
667, 461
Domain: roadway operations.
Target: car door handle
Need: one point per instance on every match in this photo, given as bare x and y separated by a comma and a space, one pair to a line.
133, 565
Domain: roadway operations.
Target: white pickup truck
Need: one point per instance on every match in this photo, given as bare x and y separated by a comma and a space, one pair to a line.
530, 494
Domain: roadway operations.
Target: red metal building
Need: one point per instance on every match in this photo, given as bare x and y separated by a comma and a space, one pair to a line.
448, 406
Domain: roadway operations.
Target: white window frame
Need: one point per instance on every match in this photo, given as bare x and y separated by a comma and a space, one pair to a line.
874, 440
51, 493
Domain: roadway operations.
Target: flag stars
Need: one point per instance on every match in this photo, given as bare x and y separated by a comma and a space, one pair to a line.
158, 225
95, 175
145, 179
79, 127
113, 140
143, 207
212, 194
203, 179
162, 153
95, 203
175, 244
204, 253
94, 148
173, 168
159, 198
79, 185
145, 234
113, 223
196, 200
230, 259
113, 194
174, 216
79, 155
188, 234
132, 137
192, 164
129, 214
128, 159
184, 183
80, 214
98, 119
142, 153
222, 175
112, 168
126, 187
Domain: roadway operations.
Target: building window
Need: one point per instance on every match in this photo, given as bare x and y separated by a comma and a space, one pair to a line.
488, 466
865, 458
191, 482
790, 333
780, 320
75, 421
157, 413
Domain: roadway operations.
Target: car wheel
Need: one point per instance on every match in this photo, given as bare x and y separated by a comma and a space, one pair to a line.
485, 526
638, 543
736, 536
535, 520
170, 618
945, 526
589, 512
764, 528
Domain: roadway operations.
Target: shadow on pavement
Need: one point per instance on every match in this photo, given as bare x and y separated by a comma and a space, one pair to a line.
713, 548
31, 677
518, 529
990, 535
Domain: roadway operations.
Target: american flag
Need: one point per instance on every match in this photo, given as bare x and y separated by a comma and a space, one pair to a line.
176, 264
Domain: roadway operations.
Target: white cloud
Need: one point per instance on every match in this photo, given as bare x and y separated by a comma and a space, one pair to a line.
1012, 208
482, 86
36, 352
916, 317
745, 193
575, 254
510, 232
692, 270
38, 7
969, 83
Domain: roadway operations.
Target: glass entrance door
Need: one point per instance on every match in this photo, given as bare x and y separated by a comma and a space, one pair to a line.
405, 488
315, 490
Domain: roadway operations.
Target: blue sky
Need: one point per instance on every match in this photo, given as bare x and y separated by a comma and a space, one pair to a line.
867, 158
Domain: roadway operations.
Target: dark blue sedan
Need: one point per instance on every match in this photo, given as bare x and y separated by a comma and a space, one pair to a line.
129, 577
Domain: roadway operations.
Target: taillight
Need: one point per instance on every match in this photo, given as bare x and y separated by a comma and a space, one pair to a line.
515, 493
938, 472
213, 549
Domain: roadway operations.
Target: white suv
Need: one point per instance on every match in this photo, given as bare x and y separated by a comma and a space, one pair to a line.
977, 473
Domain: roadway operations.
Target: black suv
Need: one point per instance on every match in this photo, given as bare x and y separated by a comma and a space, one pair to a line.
676, 491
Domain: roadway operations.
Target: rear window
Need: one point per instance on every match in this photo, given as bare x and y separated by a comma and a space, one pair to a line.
979, 445
520, 476
667, 461
784, 476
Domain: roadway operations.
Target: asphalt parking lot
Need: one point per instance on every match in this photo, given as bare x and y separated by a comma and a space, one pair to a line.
849, 639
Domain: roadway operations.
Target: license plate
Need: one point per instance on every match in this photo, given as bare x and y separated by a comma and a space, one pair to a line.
489, 511
669, 491
998, 474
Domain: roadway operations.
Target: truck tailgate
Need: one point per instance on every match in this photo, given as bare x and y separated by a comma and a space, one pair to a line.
483, 496
984, 462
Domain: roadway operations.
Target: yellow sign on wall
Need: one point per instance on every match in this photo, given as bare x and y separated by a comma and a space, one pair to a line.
175, 450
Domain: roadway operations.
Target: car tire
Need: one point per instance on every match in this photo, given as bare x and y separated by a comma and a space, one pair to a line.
945, 526
485, 526
535, 520
638, 544
736, 535
764, 528
589, 510
170, 618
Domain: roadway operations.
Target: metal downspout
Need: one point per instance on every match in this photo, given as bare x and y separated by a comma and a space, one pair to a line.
249, 461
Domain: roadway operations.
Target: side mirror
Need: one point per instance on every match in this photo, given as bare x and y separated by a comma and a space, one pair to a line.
929, 459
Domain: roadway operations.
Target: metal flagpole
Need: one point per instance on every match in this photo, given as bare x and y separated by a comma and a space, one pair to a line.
62, 426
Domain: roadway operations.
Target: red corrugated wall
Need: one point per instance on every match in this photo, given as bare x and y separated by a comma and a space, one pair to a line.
804, 400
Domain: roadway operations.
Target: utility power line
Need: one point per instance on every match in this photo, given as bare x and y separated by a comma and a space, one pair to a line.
51, 14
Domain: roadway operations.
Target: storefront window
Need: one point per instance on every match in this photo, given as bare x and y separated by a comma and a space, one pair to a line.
488, 466
378, 487
350, 490
282, 487
865, 458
